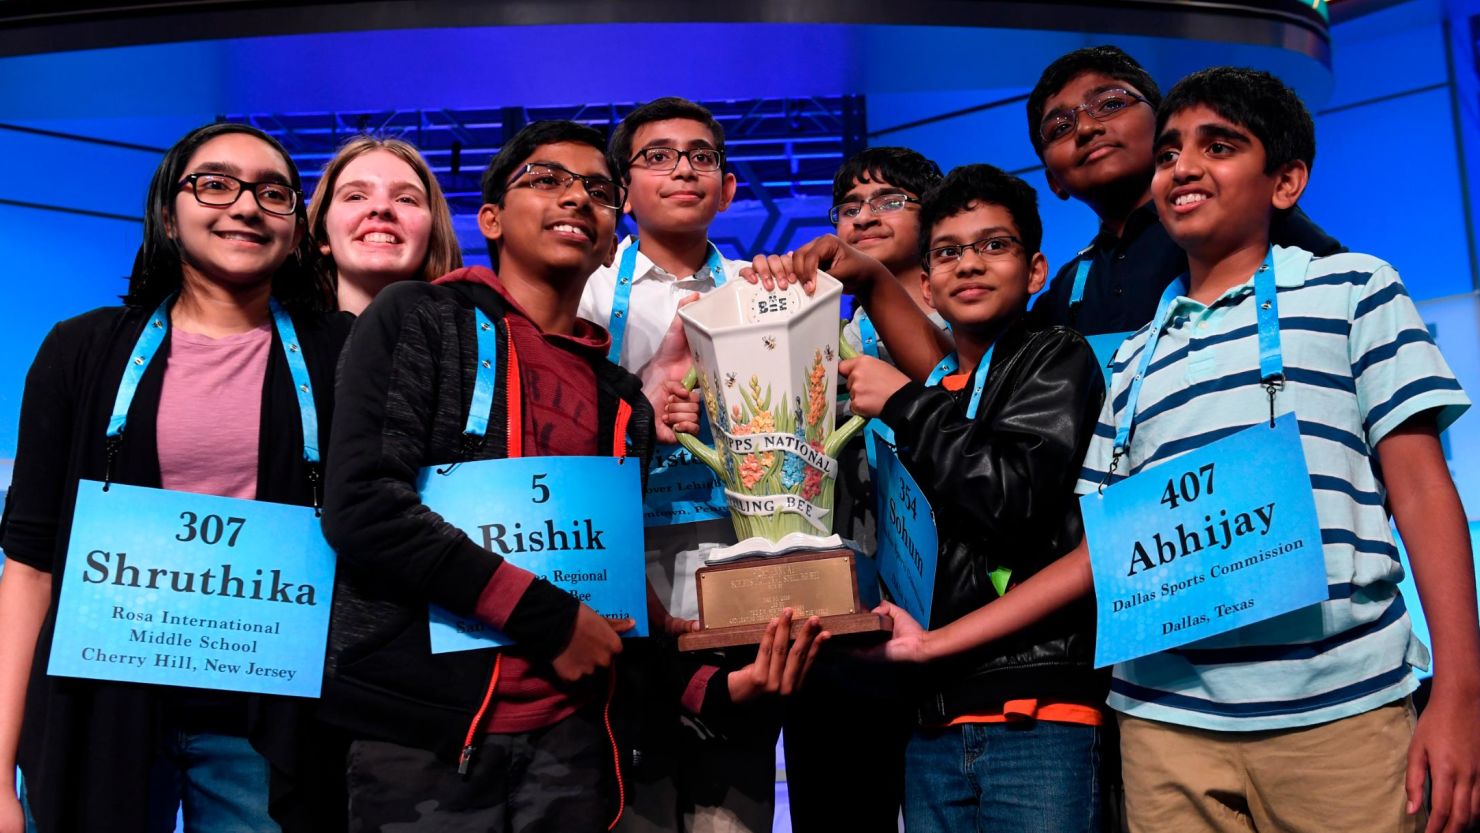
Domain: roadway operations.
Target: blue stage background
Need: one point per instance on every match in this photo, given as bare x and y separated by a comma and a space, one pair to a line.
1397, 118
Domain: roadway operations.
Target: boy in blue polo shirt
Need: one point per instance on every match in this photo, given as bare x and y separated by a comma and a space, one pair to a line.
1300, 722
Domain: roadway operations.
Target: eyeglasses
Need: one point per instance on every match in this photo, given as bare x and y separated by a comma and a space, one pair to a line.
664, 160
546, 177
1102, 106
882, 204
221, 190
991, 248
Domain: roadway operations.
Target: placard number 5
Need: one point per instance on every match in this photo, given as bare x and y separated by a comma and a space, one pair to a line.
541, 491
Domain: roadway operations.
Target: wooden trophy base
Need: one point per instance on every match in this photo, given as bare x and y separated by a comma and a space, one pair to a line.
738, 600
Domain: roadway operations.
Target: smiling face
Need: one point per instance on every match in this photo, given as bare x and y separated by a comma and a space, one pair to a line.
682, 200
239, 245
980, 292
556, 233
892, 238
1211, 190
1099, 155
379, 221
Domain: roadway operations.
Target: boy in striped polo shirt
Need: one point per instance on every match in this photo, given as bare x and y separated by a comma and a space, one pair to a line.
1301, 722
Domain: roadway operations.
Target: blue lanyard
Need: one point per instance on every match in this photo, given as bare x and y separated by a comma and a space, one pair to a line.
487, 368
868, 334
148, 345
485, 371
1271, 362
622, 296
1081, 277
950, 364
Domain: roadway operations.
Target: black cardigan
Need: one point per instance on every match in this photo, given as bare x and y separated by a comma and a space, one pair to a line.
85, 744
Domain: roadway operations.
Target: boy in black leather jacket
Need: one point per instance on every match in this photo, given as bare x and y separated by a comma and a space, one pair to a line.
1009, 732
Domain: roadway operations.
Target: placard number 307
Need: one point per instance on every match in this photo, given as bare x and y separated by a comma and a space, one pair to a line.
1188, 487
209, 529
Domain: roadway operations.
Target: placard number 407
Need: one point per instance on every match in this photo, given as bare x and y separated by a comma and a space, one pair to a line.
1189, 486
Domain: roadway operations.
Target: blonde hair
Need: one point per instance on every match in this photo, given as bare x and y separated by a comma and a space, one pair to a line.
444, 254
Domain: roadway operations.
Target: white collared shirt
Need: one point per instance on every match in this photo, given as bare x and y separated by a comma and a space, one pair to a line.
655, 297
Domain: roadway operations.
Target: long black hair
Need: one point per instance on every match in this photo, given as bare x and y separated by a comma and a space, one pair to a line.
157, 267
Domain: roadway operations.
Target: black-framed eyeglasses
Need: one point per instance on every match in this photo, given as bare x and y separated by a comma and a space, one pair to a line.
881, 204
221, 190
664, 160
548, 177
1102, 106
988, 248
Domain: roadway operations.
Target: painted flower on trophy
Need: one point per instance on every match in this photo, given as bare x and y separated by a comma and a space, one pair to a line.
812, 485
791, 467
816, 393
755, 418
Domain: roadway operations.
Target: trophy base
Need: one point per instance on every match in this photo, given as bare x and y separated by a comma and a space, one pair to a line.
876, 624
738, 600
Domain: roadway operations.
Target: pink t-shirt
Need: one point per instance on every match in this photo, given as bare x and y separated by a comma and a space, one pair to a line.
210, 411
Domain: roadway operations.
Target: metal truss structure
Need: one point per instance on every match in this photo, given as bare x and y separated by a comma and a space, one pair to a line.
783, 151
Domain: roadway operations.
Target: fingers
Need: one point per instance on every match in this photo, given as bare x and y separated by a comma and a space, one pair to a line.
688, 299
1460, 809
621, 625
804, 265
680, 412
846, 366
761, 669
753, 273
777, 662
781, 268
1450, 793
796, 659
763, 271
1413, 783
812, 653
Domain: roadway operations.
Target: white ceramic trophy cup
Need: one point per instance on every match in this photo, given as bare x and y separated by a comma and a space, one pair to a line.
766, 361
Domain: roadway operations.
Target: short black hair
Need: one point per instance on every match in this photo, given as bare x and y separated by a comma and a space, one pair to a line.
987, 184
158, 271
521, 145
906, 168
1252, 99
1110, 61
659, 109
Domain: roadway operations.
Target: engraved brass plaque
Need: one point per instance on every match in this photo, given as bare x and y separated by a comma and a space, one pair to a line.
756, 593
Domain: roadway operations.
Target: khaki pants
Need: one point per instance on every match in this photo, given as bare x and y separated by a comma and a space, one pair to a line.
1345, 776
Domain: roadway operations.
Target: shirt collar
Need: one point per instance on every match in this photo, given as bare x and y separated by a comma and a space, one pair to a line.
645, 269
1139, 220
1290, 265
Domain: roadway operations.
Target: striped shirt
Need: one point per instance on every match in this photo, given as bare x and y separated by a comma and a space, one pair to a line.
1358, 363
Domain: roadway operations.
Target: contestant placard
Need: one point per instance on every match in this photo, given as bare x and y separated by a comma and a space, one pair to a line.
682, 490
173, 588
907, 537
574, 521
1216, 539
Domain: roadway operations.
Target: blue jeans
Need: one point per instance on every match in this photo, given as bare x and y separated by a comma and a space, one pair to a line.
1034, 777
219, 780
